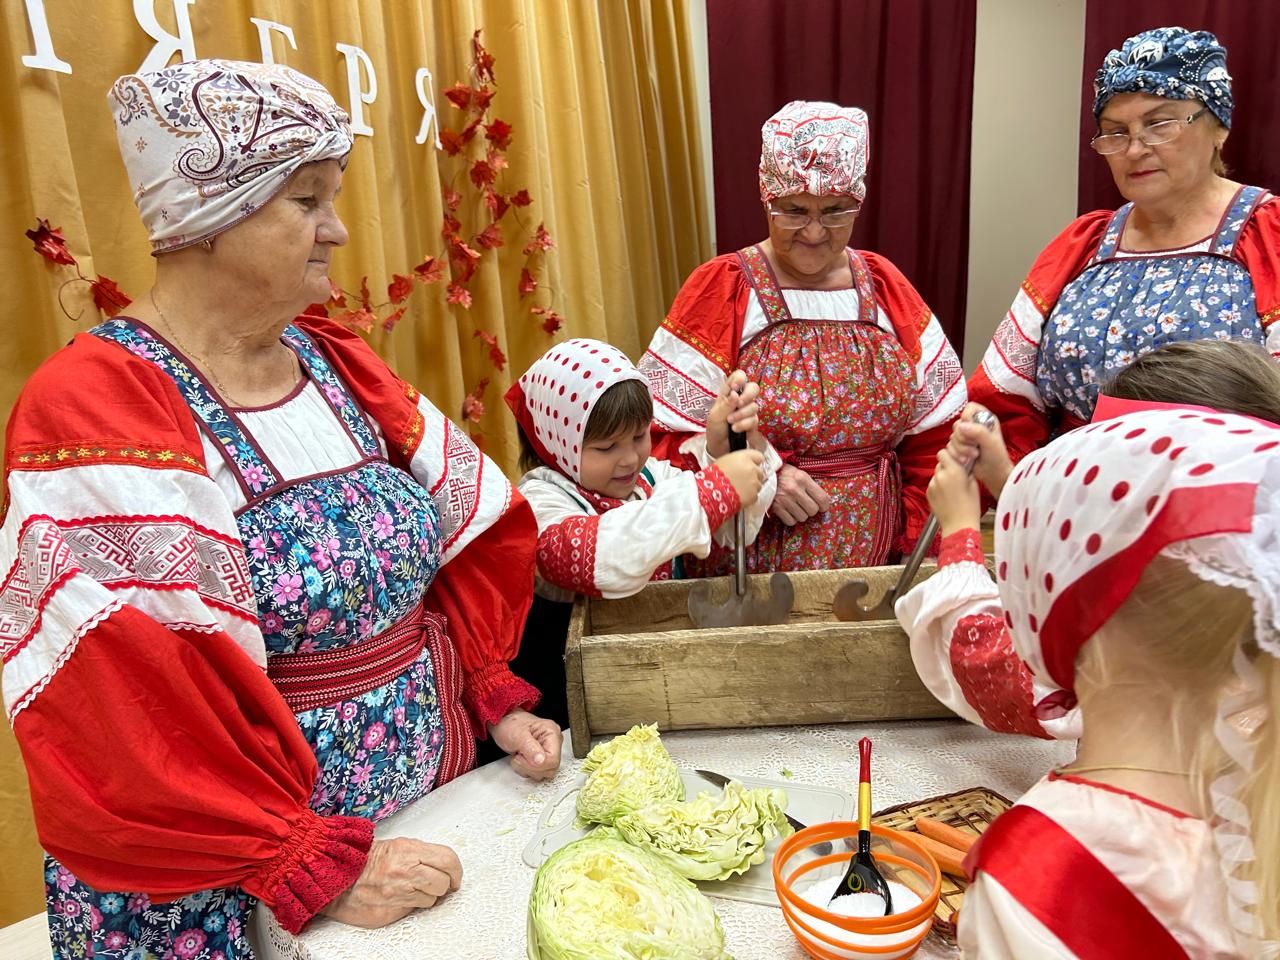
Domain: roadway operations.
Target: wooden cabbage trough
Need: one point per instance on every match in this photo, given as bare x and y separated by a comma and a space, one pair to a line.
640, 660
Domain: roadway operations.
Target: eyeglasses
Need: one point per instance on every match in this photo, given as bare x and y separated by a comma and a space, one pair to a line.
1162, 131
798, 221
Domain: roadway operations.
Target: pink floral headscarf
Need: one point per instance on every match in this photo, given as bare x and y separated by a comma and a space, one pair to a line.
208, 142
554, 399
814, 147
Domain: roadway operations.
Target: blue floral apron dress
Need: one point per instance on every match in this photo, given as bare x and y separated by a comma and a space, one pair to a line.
1122, 306
336, 559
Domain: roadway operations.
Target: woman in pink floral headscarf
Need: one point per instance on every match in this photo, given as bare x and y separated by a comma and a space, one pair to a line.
859, 386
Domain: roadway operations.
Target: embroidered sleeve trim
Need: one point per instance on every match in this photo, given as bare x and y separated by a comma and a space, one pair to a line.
567, 554
716, 494
493, 692
321, 858
961, 546
60, 455
992, 677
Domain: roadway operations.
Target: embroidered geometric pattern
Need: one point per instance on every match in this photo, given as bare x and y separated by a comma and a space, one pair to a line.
44, 562
1018, 352
567, 554
674, 390
717, 495
457, 495
939, 379
993, 679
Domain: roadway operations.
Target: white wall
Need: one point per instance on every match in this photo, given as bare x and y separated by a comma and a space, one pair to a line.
1024, 160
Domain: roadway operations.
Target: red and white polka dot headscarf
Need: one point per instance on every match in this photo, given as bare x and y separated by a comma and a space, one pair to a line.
554, 399
1080, 519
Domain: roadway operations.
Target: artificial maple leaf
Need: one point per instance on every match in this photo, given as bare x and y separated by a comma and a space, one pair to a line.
496, 356
496, 203
553, 322
429, 270
336, 297
491, 237
496, 160
361, 319
364, 296
450, 227
498, 133
459, 95
480, 98
481, 59
108, 297
482, 173
399, 288
541, 241
463, 258
472, 405
452, 142
50, 243
469, 131
521, 199
460, 295
528, 283
451, 199
391, 319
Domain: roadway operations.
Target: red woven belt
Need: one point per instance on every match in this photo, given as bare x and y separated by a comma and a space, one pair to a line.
310, 680
846, 463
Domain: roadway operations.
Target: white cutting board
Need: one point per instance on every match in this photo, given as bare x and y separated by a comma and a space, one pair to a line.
808, 804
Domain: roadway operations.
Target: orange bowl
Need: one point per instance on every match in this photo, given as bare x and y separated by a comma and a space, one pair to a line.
824, 935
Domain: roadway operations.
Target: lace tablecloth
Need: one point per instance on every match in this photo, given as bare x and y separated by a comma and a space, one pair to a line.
490, 814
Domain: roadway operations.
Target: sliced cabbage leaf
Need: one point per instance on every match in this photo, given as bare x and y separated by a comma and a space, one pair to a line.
711, 837
599, 898
626, 773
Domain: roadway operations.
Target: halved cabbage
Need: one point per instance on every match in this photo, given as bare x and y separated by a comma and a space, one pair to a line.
599, 898
626, 773
711, 837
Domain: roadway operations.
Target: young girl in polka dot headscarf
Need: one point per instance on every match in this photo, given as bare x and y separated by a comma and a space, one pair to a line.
610, 517
1138, 608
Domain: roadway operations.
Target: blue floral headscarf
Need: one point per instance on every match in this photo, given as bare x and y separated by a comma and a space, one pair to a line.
1170, 62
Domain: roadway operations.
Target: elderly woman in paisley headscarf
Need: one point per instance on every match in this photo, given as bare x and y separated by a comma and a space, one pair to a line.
859, 385
258, 592
1192, 255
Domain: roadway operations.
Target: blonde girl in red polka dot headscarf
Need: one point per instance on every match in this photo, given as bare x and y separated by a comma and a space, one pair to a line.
1138, 563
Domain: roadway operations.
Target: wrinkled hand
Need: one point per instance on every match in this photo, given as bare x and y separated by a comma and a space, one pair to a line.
953, 495
799, 497
533, 743
400, 876
735, 408
973, 443
742, 467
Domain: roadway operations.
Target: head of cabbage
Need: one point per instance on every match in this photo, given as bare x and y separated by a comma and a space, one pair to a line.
627, 773
599, 898
710, 837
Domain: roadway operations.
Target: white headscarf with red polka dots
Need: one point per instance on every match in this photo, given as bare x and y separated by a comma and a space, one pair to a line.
554, 399
1079, 521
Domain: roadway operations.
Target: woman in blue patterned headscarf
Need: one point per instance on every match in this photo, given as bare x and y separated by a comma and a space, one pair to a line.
1191, 255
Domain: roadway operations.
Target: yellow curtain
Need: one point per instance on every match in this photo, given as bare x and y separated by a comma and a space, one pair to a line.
605, 139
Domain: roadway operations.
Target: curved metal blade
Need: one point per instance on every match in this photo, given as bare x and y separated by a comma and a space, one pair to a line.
846, 606
746, 610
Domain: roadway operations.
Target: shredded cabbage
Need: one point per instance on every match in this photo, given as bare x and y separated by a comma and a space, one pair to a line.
628, 772
711, 837
599, 898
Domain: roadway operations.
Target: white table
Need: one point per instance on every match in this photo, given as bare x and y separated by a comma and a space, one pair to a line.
490, 814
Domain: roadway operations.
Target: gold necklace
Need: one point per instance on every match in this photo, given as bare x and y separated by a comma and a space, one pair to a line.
204, 364
1122, 766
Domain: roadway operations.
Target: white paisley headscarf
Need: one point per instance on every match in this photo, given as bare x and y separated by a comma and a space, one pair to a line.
553, 400
209, 142
1080, 520
816, 148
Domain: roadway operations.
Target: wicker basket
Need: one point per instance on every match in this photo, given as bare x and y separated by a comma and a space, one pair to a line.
968, 810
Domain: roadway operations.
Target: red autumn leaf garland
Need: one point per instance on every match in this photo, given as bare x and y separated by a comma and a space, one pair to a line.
49, 242
399, 288
496, 356
472, 404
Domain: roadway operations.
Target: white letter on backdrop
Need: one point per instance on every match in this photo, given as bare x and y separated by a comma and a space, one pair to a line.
427, 98
264, 36
355, 58
44, 58
144, 11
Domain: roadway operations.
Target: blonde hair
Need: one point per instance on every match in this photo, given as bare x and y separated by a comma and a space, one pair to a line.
1176, 637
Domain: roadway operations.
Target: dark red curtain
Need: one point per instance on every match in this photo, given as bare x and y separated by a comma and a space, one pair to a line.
1248, 31
909, 65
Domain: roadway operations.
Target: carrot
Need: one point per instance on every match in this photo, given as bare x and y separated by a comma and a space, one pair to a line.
945, 833
950, 860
